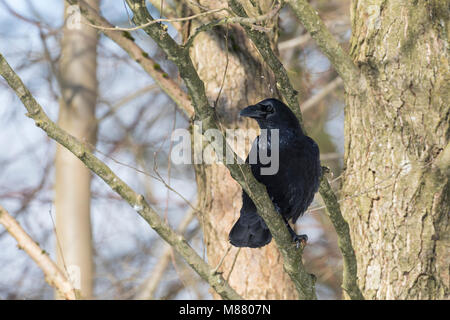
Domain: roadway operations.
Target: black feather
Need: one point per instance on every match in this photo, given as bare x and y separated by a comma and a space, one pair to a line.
292, 188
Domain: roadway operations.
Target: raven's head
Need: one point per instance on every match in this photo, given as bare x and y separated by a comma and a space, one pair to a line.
272, 114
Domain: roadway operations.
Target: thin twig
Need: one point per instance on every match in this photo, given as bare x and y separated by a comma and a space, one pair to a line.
250, 22
216, 269
158, 176
233, 264
225, 71
323, 93
117, 28
294, 42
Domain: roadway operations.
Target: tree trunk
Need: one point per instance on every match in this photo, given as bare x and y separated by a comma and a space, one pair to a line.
78, 81
396, 199
257, 273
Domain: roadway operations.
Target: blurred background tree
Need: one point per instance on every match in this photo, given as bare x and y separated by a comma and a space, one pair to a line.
76, 78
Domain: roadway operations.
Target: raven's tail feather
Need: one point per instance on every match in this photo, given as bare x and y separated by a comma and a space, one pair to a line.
250, 231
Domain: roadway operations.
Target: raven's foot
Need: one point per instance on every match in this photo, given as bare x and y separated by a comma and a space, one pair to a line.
216, 269
300, 240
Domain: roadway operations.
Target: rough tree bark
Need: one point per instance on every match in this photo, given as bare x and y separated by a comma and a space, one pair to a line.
396, 197
257, 273
78, 81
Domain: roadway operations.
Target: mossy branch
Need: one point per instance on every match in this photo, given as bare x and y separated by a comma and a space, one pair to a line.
136, 201
350, 276
329, 46
333, 209
304, 282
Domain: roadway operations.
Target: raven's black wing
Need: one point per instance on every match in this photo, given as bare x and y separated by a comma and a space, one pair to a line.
250, 230
293, 187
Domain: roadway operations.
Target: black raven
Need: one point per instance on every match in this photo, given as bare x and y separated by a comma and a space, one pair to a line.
292, 187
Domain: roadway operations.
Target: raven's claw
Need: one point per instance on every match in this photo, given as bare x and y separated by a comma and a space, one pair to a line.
300, 239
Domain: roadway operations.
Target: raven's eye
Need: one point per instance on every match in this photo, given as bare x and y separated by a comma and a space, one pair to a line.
269, 109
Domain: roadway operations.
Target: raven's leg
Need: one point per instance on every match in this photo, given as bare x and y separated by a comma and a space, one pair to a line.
297, 238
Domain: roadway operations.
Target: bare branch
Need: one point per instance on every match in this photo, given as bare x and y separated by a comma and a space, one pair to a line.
250, 22
229, 19
136, 201
294, 42
117, 28
330, 87
53, 275
340, 60
300, 41
126, 42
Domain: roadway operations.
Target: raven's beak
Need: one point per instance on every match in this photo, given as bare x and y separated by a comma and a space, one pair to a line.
254, 112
